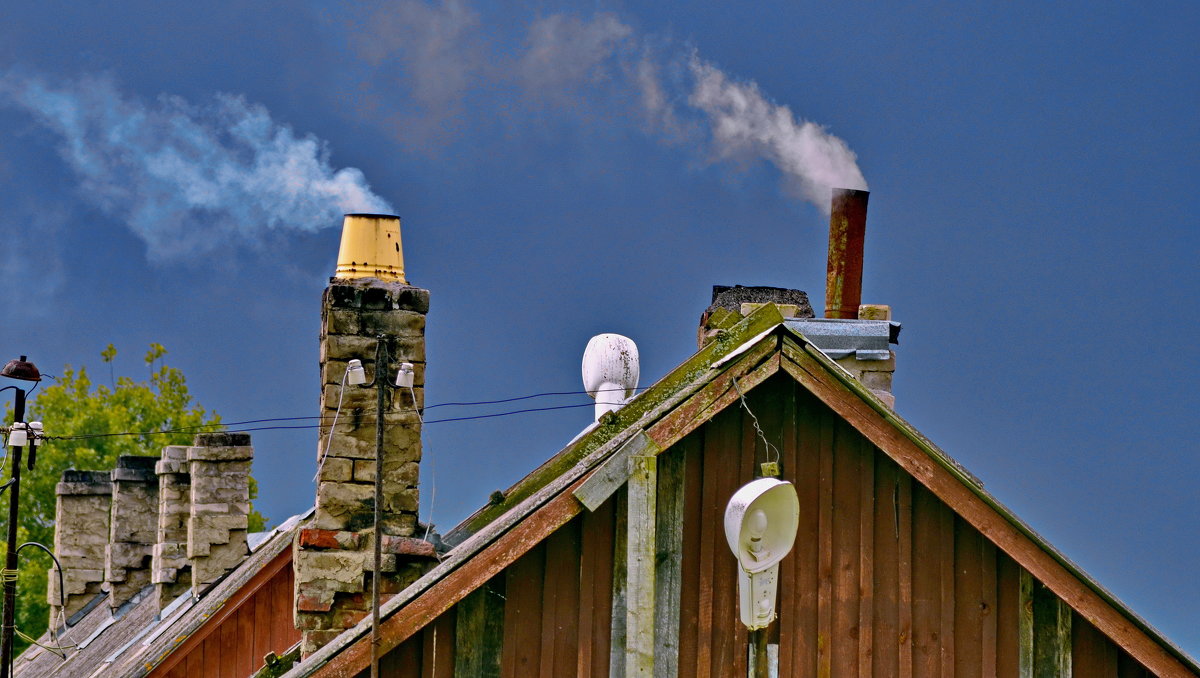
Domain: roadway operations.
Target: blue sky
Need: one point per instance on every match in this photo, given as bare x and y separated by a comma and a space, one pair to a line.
173, 173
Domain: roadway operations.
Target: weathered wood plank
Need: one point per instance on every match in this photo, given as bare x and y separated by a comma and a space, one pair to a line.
1051, 634
728, 463
988, 605
904, 612
522, 651
1092, 654
886, 543
846, 495
692, 448
669, 547
866, 557
1008, 617
1025, 625
640, 567
926, 586
479, 631
946, 520
825, 510
595, 588
615, 470
975, 510
969, 606
563, 552
710, 533
620, 586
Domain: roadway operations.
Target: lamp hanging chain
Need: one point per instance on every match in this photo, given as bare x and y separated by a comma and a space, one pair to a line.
758, 429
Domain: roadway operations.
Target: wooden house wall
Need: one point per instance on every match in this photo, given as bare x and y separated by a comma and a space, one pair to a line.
234, 642
550, 614
885, 580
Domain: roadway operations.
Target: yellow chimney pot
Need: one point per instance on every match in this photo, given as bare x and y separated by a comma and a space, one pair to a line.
371, 248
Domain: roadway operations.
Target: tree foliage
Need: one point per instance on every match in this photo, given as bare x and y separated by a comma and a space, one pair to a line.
75, 405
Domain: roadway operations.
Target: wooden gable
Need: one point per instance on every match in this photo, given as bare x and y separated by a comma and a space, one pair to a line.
902, 565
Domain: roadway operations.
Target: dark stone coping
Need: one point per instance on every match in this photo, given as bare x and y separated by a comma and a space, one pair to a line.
373, 294
222, 439
732, 298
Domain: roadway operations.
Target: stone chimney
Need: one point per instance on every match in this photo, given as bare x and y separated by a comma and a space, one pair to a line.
334, 554
860, 345
81, 530
133, 528
218, 506
171, 571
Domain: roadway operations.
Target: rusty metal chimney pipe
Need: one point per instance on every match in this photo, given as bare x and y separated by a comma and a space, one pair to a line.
847, 232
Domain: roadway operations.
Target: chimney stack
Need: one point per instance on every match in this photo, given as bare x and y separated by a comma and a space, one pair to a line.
133, 528
219, 505
847, 231
171, 571
368, 301
81, 527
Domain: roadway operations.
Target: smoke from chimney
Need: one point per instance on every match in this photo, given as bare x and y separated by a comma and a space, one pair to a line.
187, 177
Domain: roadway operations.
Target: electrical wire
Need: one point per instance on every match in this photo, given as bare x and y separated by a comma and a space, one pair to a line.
227, 425
761, 436
329, 438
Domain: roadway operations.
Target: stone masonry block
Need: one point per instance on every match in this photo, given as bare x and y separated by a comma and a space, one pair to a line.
219, 454
336, 469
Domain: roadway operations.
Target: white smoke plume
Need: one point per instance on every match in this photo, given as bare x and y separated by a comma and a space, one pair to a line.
597, 68
187, 178
564, 51
744, 124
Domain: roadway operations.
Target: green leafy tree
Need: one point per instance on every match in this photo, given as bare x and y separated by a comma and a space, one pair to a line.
76, 406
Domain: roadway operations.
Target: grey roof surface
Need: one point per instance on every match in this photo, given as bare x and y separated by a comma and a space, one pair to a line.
135, 639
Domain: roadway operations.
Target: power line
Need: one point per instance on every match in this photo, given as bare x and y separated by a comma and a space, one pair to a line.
241, 426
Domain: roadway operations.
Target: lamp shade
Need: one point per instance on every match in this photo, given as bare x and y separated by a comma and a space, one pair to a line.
21, 369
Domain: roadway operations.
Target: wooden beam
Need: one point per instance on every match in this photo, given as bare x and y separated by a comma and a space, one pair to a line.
958, 493
668, 535
479, 632
642, 495
615, 470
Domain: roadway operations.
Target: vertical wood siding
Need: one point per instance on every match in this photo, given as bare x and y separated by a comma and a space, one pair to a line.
884, 581
235, 645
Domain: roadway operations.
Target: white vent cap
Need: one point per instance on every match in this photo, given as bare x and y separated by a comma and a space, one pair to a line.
610, 371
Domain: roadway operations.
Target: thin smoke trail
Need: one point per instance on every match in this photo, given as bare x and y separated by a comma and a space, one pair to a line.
590, 67
187, 177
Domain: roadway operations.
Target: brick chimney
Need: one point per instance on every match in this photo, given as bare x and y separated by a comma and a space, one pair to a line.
171, 571
218, 505
367, 302
81, 530
133, 527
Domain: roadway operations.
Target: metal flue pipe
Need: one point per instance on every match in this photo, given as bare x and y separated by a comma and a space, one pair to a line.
847, 232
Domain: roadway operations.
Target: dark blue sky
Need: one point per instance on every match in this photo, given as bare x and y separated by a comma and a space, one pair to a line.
1032, 220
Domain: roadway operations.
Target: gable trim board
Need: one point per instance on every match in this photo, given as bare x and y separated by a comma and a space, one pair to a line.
591, 468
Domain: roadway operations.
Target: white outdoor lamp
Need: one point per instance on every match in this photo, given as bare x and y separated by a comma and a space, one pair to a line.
760, 523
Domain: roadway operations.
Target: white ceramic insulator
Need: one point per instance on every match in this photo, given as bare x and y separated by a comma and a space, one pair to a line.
610, 371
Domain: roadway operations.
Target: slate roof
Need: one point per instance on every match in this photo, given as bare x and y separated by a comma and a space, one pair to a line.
132, 640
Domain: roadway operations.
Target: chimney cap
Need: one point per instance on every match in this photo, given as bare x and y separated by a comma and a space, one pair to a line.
371, 215
370, 248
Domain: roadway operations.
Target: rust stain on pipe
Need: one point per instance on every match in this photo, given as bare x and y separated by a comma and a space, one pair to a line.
847, 231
